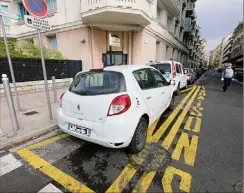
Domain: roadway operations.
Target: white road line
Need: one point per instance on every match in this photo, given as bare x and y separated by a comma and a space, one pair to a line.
50, 188
8, 163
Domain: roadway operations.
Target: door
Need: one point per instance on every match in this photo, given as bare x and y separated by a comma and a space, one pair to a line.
118, 58
165, 91
180, 77
149, 91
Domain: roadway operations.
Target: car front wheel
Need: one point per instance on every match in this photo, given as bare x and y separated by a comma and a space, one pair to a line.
139, 139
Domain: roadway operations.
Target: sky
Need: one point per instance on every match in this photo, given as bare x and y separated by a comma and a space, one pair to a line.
218, 18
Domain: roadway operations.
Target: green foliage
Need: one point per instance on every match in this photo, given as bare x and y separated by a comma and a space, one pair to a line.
28, 50
13, 49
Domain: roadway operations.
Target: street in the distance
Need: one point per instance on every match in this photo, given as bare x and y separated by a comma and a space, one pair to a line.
123, 96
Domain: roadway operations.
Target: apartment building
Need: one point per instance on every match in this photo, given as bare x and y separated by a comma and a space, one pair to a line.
226, 49
203, 52
148, 30
236, 56
215, 56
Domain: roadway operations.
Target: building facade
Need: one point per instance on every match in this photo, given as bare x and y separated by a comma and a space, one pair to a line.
226, 49
214, 57
148, 30
236, 56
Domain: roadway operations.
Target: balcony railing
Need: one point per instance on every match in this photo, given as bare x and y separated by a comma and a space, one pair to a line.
111, 10
173, 6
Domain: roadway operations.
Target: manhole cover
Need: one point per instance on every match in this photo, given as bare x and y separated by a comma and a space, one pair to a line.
152, 157
30, 113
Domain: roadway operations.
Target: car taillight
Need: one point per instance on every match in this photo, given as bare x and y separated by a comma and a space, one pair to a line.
119, 105
173, 70
60, 99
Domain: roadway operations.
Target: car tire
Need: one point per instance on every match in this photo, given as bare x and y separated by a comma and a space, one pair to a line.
140, 136
185, 87
172, 102
177, 92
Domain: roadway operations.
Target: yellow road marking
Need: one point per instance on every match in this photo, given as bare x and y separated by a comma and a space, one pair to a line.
155, 138
45, 142
185, 183
123, 179
169, 120
190, 149
147, 178
151, 129
186, 90
59, 176
168, 140
197, 124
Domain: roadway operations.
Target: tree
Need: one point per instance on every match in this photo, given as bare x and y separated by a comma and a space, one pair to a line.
28, 50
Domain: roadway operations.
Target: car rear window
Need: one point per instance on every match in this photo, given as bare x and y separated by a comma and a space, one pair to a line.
162, 67
98, 83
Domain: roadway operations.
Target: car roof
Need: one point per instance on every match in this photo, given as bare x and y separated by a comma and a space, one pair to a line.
124, 68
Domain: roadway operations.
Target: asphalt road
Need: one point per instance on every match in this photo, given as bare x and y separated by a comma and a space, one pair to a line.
196, 147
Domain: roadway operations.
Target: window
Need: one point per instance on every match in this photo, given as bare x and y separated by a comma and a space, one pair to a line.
98, 83
5, 19
169, 22
163, 67
175, 30
178, 69
159, 13
53, 42
159, 78
22, 11
145, 79
52, 5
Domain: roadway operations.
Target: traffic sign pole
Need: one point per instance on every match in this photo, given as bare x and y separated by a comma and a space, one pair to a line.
45, 75
9, 61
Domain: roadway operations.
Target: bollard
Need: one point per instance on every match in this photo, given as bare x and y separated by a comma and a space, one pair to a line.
54, 89
11, 108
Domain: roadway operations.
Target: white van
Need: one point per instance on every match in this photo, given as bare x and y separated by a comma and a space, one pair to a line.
172, 70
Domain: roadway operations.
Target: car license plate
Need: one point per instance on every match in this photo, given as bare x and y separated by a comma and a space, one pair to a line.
80, 130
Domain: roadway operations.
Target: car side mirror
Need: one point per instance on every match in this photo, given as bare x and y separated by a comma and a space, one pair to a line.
172, 82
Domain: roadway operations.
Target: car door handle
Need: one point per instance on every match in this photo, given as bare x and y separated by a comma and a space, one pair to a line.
148, 98
162, 92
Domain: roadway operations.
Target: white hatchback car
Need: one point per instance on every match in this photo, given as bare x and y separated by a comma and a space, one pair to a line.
172, 70
115, 106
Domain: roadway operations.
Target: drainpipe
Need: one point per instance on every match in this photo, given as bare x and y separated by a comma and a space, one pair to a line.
65, 11
130, 47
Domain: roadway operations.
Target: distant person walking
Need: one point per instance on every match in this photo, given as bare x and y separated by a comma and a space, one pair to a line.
227, 76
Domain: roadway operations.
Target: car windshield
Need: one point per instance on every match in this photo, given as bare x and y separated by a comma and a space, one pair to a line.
98, 83
162, 67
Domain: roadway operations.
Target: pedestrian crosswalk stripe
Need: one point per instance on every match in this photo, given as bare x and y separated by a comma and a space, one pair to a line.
50, 188
8, 163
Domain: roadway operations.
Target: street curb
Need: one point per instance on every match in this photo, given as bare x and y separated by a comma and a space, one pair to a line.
238, 82
25, 139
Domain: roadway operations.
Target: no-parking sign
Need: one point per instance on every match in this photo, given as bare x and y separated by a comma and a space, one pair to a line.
37, 8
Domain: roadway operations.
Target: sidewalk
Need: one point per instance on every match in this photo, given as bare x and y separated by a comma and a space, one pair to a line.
29, 125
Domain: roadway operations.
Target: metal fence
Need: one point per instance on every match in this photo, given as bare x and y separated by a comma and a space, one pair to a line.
29, 69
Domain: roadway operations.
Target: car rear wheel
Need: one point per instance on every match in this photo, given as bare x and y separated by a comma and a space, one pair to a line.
139, 139
177, 92
172, 102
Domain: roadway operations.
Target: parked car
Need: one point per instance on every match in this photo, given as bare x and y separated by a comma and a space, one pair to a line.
172, 70
190, 76
198, 72
220, 70
115, 106
238, 74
